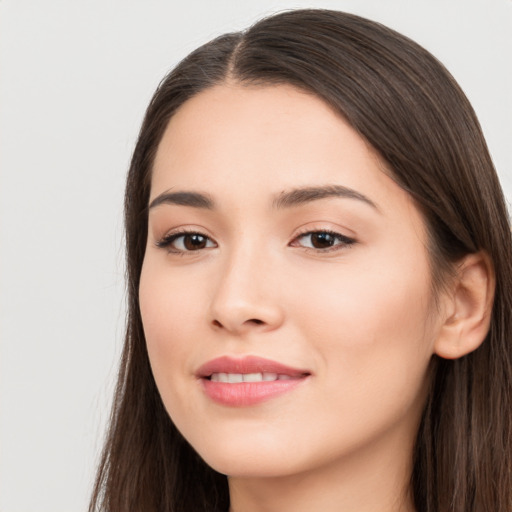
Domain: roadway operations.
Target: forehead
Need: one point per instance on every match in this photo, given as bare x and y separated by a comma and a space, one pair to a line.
258, 140
267, 121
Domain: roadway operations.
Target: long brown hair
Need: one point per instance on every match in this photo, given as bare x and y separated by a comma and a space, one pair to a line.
400, 99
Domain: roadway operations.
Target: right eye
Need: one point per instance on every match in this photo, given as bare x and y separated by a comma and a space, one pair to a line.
188, 241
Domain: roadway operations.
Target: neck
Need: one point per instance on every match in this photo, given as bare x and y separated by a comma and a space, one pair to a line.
374, 481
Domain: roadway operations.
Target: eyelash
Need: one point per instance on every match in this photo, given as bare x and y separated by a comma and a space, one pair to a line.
343, 241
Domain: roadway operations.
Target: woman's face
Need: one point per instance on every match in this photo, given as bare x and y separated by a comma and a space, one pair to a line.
280, 254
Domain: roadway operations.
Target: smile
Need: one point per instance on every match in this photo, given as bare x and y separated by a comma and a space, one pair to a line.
234, 378
238, 382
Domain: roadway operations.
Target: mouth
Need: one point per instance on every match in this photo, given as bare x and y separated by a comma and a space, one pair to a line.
247, 381
235, 378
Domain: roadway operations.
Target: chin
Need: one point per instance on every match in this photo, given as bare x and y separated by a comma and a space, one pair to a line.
259, 466
248, 456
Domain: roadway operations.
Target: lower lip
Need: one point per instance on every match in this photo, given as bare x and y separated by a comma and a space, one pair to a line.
243, 394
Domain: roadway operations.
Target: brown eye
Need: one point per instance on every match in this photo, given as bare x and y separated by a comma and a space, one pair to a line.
186, 242
323, 240
194, 242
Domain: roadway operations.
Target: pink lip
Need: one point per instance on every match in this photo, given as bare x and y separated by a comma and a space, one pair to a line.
248, 393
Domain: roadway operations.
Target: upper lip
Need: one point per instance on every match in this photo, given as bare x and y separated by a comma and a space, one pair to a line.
247, 364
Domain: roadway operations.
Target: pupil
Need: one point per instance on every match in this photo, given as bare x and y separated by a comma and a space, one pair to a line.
194, 242
322, 240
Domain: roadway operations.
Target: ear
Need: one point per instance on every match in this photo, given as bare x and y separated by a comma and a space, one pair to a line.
469, 306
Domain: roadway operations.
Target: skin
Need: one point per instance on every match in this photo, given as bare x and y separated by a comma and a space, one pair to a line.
359, 317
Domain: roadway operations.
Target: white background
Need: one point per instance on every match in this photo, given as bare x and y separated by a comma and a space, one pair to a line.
75, 77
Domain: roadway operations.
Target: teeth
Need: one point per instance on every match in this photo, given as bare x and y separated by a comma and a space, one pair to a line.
234, 378
253, 377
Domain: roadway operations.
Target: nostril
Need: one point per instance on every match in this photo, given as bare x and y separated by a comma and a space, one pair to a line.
251, 321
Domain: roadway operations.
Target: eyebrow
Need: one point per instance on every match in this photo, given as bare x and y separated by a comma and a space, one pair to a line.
286, 199
193, 199
304, 195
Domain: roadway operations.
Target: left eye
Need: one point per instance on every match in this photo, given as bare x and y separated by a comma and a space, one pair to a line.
186, 242
323, 240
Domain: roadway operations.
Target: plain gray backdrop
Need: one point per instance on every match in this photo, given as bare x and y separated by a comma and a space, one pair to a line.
75, 78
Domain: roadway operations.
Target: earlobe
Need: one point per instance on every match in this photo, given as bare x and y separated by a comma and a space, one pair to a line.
470, 305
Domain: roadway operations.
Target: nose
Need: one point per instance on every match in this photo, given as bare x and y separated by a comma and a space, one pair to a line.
246, 297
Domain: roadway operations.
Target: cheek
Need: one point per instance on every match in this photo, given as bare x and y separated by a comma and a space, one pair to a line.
372, 336
169, 299
170, 311
378, 311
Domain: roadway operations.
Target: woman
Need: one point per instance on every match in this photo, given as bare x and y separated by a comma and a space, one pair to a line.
319, 284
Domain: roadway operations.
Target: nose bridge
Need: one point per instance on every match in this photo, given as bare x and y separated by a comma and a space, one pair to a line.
245, 295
